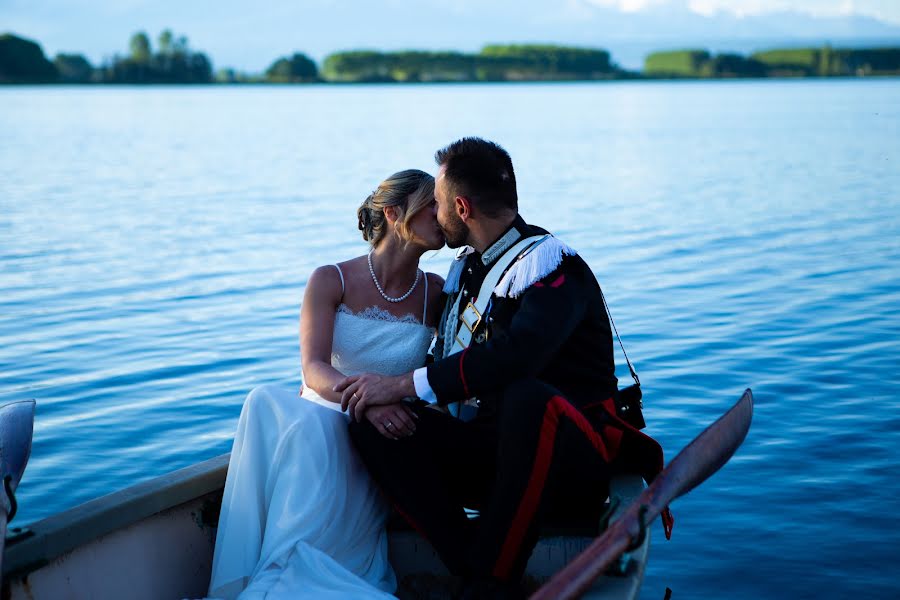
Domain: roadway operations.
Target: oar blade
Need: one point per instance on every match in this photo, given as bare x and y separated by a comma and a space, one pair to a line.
706, 453
692, 466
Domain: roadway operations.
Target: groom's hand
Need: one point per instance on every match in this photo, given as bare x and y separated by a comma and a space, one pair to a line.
359, 392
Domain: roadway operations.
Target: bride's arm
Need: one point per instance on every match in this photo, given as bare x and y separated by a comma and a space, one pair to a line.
323, 294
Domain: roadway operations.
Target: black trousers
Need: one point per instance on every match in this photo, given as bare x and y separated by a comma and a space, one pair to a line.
537, 457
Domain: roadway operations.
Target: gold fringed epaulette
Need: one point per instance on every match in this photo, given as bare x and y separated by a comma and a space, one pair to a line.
536, 263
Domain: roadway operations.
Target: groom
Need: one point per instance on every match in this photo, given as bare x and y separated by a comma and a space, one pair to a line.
524, 362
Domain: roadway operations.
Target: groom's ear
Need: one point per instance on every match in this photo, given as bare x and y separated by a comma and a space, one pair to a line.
463, 207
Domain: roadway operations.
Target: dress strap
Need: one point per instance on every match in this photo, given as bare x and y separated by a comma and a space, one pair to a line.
425, 308
342, 279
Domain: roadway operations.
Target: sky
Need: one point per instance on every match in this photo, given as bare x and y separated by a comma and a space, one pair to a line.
885, 10
250, 36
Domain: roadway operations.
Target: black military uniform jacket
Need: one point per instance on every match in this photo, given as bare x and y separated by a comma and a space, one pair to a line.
550, 325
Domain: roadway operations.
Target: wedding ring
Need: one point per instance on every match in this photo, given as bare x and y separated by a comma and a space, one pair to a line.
388, 424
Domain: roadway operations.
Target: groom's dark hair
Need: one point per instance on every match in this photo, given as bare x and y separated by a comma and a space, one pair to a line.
481, 171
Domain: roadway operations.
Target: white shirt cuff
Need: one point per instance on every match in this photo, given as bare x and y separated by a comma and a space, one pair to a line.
423, 389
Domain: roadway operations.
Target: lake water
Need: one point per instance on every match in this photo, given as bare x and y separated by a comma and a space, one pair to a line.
155, 244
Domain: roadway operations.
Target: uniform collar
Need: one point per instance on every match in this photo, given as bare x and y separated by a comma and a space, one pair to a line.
509, 237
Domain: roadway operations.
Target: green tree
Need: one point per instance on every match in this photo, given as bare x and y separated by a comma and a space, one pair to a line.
677, 63
734, 65
175, 63
867, 61
541, 61
140, 48
825, 59
200, 68
356, 65
73, 68
165, 42
297, 68
23, 61
789, 62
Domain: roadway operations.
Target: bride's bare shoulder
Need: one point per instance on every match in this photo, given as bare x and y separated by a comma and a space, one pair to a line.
324, 282
330, 280
352, 265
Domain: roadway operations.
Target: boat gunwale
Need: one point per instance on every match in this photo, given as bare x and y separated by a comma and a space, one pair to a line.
42, 542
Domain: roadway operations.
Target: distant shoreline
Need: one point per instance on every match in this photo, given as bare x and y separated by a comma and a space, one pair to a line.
173, 62
317, 84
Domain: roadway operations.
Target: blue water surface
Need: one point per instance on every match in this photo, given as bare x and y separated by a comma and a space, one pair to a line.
155, 244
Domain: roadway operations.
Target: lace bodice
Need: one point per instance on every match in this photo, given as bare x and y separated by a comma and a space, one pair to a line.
375, 341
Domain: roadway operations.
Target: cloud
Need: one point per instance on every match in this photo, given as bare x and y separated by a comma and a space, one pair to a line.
742, 8
888, 10
630, 5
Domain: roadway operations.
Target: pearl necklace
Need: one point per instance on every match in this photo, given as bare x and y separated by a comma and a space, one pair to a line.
381, 291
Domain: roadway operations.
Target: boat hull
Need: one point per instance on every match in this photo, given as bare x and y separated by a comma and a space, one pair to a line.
155, 540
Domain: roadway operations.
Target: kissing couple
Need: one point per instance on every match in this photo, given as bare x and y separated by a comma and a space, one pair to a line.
510, 415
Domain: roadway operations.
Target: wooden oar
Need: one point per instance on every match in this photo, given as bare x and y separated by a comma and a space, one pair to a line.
16, 429
693, 465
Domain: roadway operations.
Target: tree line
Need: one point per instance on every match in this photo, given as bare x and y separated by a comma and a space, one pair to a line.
493, 63
173, 61
793, 62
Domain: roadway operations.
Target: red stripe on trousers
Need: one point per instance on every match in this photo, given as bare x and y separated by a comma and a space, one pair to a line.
610, 407
462, 374
528, 506
410, 520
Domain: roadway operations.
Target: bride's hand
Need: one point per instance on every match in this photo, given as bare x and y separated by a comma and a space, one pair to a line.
393, 421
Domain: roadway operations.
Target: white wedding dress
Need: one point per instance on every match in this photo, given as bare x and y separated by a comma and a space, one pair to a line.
301, 518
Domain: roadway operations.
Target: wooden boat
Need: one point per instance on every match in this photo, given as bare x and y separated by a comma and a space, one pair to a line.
155, 540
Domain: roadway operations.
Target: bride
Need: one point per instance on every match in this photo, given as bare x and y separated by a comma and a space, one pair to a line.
301, 517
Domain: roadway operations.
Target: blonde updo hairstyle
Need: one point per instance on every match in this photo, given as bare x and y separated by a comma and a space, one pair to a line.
408, 191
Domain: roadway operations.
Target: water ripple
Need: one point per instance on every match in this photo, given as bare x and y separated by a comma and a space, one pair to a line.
153, 258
